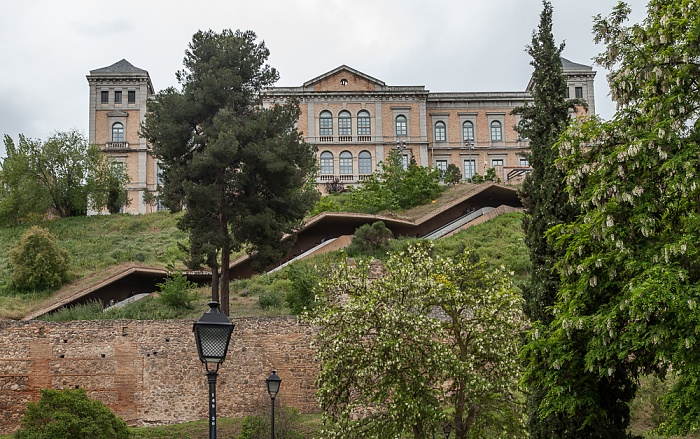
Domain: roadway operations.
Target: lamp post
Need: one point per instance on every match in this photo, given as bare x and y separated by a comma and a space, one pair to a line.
400, 147
212, 332
469, 143
273, 386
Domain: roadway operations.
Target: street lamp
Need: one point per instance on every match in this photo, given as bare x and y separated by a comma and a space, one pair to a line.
273, 386
212, 332
400, 147
469, 143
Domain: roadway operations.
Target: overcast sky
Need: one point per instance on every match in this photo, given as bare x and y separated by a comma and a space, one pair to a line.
47, 47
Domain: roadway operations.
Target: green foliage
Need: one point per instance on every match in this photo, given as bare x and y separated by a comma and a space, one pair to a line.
429, 342
70, 414
177, 291
149, 199
304, 282
270, 299
57, 176
242, 170
370, 240
394, 188
37, 263
452, 174
631, 266
287, 420
117, 195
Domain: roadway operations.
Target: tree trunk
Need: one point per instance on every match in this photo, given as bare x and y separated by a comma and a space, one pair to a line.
215, 283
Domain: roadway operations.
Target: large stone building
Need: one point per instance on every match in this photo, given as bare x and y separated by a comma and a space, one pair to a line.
352, 118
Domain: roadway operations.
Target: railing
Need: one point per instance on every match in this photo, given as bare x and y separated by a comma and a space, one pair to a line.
344, 138
325, 139
364, 138
345, 178
116, 145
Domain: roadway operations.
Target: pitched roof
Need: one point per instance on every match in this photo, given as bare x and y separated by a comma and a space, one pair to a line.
120, 67
348, 69
568, 65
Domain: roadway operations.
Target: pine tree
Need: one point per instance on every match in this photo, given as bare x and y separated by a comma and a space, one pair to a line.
546, 201
241, 170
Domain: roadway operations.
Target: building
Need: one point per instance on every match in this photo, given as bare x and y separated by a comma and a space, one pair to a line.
353, 119
118, 96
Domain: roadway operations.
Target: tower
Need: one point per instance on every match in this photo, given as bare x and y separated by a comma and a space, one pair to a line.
118, 97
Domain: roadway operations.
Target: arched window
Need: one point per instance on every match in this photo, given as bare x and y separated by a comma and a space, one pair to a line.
344, 123
496, 131
440, 132
468, 131
401, 125
364, 127
117, 132
327, 163
345, 163
364, 163
325, 123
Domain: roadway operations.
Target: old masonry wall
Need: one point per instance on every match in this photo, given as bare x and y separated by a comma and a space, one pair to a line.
148, 372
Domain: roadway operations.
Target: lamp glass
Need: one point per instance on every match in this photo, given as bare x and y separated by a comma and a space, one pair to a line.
212, 332
273, 384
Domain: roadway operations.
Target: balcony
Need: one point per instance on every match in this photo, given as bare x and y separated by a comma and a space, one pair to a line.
117, 145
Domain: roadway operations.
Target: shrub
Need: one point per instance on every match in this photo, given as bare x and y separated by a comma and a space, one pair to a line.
270, 299
258, 426
302, 294
70, 414
36, 262
452, 175
177, 291
370, 240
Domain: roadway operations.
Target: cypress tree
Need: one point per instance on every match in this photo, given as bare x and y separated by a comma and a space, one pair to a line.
546, 202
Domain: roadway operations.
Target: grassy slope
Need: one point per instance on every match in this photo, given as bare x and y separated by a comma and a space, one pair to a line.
95, 244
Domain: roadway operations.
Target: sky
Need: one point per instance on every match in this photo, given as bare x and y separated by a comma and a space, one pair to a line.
47, 47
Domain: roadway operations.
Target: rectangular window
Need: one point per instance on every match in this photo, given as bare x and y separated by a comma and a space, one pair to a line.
579, 92
326, 126
363, 126
441, 165
405, 161
469, 168
496, 163
104, 96
117, 97
524, 163
132, 96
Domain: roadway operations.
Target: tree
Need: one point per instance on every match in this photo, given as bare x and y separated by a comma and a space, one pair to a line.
392, 187
370, 239
631, 272
70, 414
547, 204
37, 263
452, 175
243, 171
428, 341
57, 176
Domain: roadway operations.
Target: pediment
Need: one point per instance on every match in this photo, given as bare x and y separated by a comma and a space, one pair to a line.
344, 78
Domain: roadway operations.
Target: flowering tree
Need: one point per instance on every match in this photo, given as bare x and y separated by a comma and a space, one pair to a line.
428, 342
631, 271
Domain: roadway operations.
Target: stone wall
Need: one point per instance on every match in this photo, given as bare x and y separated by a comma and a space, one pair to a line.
148, 372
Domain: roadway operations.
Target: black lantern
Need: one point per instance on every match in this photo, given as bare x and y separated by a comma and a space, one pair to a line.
212, 332
273, 386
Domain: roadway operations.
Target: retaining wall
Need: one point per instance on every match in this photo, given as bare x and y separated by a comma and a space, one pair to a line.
148, 372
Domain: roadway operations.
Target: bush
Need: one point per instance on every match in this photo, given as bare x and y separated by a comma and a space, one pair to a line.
270, 299
258, 426
177, 292
302, 294
36, 262
370, 240
70, 414
452, 175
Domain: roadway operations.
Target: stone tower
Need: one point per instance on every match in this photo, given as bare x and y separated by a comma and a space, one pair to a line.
118, 96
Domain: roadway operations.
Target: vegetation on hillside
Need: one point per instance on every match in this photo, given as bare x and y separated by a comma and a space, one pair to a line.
62, 176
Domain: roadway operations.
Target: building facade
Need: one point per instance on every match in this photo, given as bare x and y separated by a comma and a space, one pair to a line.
118, 97
353, 119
